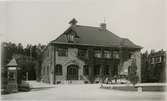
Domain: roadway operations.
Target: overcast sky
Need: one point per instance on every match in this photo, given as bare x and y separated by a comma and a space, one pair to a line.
33, 22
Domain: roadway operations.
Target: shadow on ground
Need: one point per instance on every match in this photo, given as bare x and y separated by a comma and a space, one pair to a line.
41, 88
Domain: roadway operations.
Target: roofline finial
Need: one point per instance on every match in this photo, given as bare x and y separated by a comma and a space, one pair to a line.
73, 21
103, 25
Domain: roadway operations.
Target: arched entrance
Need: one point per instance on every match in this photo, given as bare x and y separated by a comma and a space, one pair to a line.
72, 72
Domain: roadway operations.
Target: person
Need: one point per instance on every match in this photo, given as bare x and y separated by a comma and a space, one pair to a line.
106, 80
115, 78
70, 81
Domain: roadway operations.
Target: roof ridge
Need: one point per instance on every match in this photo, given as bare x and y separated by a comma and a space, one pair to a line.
102, 36
87, 26
99, 28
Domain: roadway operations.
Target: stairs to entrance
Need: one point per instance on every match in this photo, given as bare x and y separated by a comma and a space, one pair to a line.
82, 80
82, 77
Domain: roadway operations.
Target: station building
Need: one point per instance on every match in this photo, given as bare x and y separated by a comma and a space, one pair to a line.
88, 54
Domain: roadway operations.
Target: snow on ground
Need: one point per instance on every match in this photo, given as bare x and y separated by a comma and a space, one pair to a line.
81, 92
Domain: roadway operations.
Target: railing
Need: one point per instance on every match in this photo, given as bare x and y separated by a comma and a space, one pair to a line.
82, 77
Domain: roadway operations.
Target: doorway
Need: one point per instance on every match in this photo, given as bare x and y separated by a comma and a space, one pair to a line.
72, 72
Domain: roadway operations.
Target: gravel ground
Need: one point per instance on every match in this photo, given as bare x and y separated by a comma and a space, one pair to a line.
80, 92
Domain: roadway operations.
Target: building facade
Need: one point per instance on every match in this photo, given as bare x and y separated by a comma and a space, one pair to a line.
154, 66
88, 54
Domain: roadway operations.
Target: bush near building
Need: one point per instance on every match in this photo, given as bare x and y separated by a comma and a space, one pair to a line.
132, 73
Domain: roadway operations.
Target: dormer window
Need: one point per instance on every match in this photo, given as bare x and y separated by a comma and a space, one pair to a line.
70, 37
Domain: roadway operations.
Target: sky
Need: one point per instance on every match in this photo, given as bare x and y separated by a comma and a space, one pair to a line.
33, 22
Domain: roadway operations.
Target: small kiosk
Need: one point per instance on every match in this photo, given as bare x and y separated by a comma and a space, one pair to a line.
12, 85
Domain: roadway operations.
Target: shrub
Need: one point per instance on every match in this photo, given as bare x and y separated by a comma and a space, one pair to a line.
86, 82
132, 73
58, 82
96, 81
24, 87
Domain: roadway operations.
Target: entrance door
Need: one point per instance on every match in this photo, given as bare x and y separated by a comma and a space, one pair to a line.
72, 72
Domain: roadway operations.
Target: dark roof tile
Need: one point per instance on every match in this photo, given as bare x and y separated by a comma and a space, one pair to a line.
95, 36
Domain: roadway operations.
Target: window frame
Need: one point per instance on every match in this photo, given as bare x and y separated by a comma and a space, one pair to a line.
160, 59
107, 70
82, 51
85, 70
97, 70
62, 52
108, 54
152, 60
97, 53
58, 69
70, 37
115, 54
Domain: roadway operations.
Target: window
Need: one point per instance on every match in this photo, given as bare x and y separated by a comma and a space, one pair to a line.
70, 37
48, 53
85, 70
47, 70
106, 70
152, 60
43, 71
107, 54
97, 53
97, 70
58, 69
62, 52
11, 76
82, 52
158, 59
115, 55
129, 55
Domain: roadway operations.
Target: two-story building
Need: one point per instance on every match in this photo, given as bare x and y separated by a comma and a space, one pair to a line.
155, 64
86, 53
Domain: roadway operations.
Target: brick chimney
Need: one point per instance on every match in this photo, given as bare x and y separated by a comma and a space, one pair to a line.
103, 26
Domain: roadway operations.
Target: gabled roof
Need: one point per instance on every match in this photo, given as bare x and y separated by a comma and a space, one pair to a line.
95, 36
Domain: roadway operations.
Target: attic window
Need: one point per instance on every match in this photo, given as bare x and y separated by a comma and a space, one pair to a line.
70, 37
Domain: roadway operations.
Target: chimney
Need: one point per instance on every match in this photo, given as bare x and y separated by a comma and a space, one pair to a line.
103, 26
